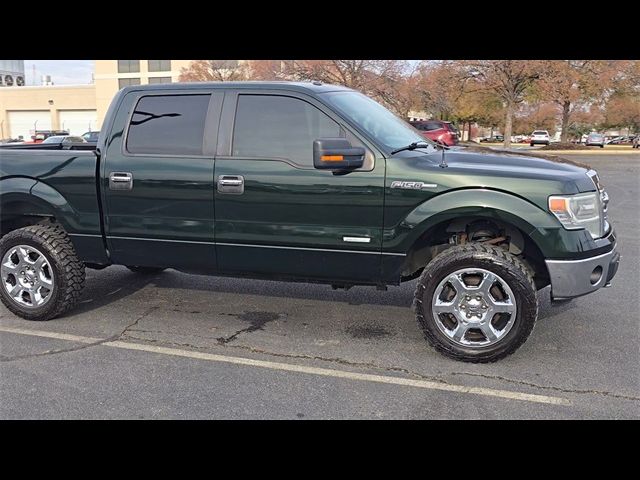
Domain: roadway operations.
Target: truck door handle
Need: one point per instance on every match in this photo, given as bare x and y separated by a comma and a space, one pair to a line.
120, 181
231, 184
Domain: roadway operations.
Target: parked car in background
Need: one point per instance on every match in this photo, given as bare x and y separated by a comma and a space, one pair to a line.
64, 139
596, 139
41, 135
636, 142
539, 137
91, 136
437, 130
621, 140
494, 139
56, 142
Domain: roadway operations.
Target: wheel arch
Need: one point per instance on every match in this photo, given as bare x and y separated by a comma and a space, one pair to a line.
25, 201
432, 222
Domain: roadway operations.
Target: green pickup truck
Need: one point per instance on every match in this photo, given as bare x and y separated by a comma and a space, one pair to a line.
304, 182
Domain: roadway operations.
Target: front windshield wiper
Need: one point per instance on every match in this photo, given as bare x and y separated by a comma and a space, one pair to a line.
411, 146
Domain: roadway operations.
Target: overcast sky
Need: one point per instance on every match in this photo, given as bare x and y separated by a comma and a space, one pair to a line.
63, 72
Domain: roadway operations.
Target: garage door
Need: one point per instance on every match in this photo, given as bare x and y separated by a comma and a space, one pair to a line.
23, 123
77, 122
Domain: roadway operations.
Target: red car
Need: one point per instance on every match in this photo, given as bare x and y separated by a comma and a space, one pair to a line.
437, 130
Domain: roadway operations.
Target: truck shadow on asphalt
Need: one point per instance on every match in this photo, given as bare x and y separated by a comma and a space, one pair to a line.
120, 283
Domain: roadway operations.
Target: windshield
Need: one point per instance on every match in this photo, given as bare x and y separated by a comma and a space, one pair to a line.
375, 120
54, 139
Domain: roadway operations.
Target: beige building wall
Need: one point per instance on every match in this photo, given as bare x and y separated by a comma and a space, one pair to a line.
52, 98
107, 80
79, 97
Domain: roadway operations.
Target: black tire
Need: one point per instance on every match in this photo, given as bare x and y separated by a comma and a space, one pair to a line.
145, 270
68, 272
531, 145
497, 261
601, 146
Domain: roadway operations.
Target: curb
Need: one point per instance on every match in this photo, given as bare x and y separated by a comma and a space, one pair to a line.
589, 152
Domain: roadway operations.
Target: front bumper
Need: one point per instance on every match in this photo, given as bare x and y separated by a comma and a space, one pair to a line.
573, 278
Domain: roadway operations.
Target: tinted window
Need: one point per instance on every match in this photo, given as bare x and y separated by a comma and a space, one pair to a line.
540, 132
277, 126
168, 124
159, 65
126, 82
128, 66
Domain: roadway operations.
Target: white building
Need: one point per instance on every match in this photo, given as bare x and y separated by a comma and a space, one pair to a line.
12, 73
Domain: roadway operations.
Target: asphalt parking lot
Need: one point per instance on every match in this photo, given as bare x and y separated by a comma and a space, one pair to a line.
183, 346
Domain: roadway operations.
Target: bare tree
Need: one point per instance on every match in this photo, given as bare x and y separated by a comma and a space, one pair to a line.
574, 83
384, 80
509, 79
214, 70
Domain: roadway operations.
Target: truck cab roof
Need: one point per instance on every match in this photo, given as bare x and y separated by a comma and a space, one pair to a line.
304, 87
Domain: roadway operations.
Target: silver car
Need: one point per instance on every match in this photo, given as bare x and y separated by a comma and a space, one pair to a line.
595, 139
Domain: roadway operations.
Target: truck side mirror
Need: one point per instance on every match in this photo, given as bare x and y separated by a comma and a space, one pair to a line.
336, 154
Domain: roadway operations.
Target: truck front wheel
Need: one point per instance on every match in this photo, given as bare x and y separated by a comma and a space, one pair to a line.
476, 303
41, 276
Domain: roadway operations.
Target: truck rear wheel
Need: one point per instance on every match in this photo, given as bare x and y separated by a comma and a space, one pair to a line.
41, 276
476, 303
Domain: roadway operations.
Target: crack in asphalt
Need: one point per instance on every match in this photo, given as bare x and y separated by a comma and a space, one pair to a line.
112, 338
549, 387
257, 322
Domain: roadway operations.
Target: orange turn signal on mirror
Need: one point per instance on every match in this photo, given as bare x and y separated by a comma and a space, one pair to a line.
332, 158
557, 204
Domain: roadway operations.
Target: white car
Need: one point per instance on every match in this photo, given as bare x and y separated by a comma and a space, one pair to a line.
540, 137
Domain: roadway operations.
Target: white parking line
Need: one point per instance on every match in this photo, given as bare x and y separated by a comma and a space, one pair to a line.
287, 367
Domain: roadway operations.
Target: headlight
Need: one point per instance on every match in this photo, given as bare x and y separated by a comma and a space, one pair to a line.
578, 211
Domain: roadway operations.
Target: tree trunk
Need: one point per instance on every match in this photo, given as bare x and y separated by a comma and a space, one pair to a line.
508, 121
491, 134
564, 136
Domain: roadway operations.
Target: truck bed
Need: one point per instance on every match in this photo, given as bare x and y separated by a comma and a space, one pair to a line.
64, 179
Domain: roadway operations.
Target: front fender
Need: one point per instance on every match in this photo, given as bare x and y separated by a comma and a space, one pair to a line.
477, 202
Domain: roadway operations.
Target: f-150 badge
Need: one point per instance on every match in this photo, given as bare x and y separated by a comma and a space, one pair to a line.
412, 185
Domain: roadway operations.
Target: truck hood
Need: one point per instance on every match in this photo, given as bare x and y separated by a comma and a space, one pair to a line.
482, 165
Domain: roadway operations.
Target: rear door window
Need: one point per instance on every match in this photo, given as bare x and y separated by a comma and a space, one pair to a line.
168, 125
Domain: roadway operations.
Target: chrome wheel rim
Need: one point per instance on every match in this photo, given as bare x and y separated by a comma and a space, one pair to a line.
27, 276
474, 307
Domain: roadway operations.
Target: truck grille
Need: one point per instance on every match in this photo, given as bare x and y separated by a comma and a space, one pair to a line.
604, 203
